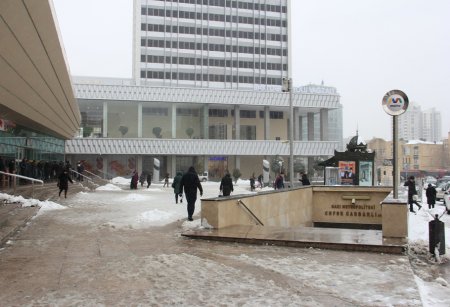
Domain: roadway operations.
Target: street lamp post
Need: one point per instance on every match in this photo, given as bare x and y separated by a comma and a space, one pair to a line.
287, 87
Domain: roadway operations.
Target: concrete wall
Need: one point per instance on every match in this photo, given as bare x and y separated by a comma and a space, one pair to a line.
307, 206
278, 208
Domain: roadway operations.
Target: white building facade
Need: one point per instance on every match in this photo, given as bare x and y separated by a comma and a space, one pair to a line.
211, 43
206, 92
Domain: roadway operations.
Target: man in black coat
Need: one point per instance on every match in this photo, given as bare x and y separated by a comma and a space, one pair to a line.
304, 179
226, 185
431, 196
190, 183
63, 182
412, 194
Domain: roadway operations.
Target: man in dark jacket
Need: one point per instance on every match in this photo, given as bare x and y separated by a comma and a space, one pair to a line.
176, 187
304, 179
431, 196
190, 183
412, 194
63, 182
226, 185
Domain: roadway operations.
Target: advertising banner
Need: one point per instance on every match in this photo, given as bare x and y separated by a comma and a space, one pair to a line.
365, 173
347, 172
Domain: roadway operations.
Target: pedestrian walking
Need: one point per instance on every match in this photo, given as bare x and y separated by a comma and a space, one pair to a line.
134, 180
190, 183
252, 182
226, 185
80, 170
412, 194
142, 178
304, 179
176, 187
63, 182
260, 180
166, 180
149, 179
431, 196
279, 182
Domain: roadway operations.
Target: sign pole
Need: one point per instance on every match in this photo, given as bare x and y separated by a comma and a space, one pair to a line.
395, 103
395, 154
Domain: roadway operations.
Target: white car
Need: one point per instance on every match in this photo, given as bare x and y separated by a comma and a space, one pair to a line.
441, 189
447, 201
203, 177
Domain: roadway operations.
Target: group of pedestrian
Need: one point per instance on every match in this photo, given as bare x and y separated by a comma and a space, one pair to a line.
413, 198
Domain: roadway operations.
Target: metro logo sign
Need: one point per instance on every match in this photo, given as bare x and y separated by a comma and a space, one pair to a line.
395, 102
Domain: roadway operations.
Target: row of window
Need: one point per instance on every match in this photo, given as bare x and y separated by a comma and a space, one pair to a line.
158, 111
214, 17
235, 4
213, 32
208, 77
212, 62
212, 47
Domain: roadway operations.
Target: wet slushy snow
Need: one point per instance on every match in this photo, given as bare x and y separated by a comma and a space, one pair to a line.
124, 247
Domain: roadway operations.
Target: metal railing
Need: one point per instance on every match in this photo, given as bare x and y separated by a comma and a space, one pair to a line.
14, 183
97, 176
250, 213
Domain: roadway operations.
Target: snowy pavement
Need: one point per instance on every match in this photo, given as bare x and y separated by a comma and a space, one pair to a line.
117, 247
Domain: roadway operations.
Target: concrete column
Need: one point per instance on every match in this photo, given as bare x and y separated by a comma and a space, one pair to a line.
310, 118
105, 166
174, 121
300, 128
237, 123
266, 123
324, 124
105, 119
237, 162
173, 165
204, 121
139, 130
139, 164
297, 136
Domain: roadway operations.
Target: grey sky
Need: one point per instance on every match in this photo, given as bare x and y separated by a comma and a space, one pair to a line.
363, 48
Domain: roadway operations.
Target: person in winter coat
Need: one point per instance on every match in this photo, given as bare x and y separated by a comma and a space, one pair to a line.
304, 179
431, 196
412, 194
226, 185
176, 187
190, 183
252, 182
134, 180
279, 182
142, 178
63, 182
149, 179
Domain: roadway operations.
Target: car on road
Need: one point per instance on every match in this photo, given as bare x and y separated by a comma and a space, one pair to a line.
203, 177
447, 200
441, 189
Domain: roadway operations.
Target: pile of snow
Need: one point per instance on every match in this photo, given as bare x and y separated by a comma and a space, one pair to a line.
108, 187
43, 205
121, 180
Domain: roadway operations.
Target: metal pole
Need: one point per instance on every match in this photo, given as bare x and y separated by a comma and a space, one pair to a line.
394, 150
291, 135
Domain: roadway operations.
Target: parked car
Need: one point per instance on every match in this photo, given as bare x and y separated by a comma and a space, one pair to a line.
442, 180
203, 177
447, 200
441, 189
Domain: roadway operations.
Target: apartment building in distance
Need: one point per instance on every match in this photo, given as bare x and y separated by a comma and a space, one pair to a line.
206, 92
418, 124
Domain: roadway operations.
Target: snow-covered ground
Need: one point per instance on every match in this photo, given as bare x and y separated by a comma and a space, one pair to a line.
117, 207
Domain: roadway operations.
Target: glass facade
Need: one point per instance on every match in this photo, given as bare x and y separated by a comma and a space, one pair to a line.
18, 142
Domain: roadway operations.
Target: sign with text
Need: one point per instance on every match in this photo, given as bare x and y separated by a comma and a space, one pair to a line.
395, 102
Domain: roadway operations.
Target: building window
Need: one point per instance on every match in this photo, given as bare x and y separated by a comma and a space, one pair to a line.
248, 132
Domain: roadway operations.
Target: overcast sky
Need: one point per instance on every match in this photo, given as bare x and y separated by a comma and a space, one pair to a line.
363, 48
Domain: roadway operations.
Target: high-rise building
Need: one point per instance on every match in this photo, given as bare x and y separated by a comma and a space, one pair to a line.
211, 43
416, 124
431, 125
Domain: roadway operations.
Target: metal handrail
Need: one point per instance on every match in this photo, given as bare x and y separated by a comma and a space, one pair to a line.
96, 176
23, 177
84, 176
258, 221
